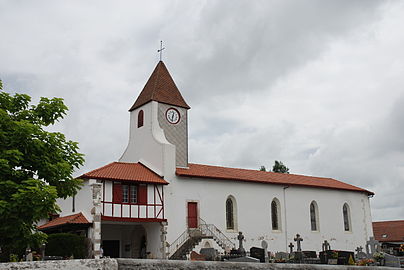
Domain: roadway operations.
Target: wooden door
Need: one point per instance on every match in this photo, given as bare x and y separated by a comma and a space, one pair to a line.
192, 215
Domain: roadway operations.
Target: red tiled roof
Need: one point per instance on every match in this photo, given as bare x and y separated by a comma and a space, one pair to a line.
72, 219
392, 230
207, 171
160, 87
123, 171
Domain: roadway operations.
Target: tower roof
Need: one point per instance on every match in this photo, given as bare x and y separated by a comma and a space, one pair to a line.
160, 87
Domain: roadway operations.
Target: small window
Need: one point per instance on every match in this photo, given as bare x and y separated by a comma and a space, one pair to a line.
140, 117
347, 217
125, 193
314, 216
133, 194
275, 215
229, 214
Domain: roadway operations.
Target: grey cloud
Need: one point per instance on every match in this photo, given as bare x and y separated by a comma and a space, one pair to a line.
235, 62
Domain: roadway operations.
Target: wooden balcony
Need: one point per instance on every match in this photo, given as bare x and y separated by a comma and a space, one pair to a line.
150, 211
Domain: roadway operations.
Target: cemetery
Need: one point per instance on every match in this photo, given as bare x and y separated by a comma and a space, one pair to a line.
371, 255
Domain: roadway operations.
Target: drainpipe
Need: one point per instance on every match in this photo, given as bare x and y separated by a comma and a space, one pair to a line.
286, 222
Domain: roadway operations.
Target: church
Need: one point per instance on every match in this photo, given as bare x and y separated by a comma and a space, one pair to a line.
154, 203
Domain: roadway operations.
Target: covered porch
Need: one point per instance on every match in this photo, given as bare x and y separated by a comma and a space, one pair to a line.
139, 240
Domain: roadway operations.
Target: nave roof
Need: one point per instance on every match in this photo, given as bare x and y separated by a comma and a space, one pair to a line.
256, 176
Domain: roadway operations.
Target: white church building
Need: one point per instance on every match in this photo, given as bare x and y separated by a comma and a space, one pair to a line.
154, 203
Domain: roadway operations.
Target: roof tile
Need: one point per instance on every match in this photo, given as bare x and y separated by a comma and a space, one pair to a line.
208, 171
72, 219
122, 171
160, 87
393, 231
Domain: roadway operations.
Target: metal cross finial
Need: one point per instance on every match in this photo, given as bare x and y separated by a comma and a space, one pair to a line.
161, 49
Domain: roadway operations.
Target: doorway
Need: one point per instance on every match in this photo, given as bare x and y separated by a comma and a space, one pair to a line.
111, 248
192, 215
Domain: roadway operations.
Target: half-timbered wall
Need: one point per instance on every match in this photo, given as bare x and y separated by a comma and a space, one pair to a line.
149, 204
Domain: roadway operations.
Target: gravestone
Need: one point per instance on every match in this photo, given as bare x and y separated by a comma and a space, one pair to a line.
298, 253
234, 252
326, 246
210, 254
241, 249
343, 257
298, 239
281, 256
43, 246
291, 248
28, 255
372, 246
244, 259
264, 245
360, 255
258, 253
309, 254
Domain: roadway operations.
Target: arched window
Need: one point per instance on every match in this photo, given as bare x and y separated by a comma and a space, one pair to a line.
347, 217
231, 221
275, 215
140, 117
314, 216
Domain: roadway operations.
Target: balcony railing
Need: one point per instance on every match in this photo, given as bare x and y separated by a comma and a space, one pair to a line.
137, 211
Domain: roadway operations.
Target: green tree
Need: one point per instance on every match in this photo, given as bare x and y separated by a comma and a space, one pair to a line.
263, 169
279, 167
36, 168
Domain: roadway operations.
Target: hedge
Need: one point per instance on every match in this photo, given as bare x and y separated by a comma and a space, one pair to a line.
66, 245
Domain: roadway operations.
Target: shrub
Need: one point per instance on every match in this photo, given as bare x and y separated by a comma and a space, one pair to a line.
66, 245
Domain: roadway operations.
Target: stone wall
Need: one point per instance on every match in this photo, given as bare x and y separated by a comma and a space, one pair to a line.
91, 264
132, 264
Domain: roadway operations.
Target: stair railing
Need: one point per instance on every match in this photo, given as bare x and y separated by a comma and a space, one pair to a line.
178, 242
212, 231
203, 230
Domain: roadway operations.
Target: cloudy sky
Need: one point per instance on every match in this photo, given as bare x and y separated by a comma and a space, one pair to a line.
318, 85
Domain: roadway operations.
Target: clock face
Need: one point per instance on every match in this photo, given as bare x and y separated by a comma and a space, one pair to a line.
173, 116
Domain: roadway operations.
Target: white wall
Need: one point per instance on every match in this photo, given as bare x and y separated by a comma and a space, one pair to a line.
148, 143
254, 214
83, 202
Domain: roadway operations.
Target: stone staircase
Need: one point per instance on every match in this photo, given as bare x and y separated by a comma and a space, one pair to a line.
191, 237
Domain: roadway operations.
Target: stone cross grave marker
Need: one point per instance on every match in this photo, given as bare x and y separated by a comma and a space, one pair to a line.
240, 238
298, 239
291, 247
372, 246
326, 245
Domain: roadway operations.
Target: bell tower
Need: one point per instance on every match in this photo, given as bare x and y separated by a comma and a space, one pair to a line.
161, 112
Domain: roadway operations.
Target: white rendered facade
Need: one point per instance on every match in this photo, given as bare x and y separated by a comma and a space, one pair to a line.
150, 146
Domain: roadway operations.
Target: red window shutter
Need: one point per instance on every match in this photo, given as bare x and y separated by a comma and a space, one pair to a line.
117, 192
142, 191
